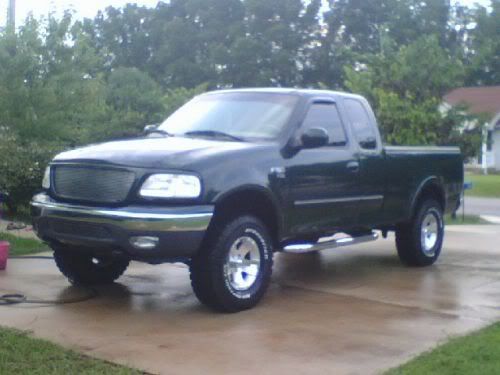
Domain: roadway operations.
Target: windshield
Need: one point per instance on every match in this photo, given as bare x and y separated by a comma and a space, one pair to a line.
233, 116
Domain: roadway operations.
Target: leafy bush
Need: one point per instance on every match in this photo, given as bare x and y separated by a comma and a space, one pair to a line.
134, 99
22, 166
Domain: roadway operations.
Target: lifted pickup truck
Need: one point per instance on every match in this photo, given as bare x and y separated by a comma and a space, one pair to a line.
234, 176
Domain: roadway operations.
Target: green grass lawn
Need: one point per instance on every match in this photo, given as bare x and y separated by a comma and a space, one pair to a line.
484, 186
23, 246
21, 354
475, 354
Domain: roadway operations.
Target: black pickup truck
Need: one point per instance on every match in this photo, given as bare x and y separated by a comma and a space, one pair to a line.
234, 176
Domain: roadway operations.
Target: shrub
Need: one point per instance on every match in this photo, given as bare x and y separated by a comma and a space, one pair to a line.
21, 167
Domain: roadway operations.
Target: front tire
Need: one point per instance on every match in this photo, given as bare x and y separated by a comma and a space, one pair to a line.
233, 271
84, 268
419, 242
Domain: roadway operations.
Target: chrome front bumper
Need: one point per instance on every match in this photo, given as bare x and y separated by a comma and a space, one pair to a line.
180, 229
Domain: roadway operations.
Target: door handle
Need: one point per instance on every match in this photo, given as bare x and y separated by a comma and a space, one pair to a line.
353, 166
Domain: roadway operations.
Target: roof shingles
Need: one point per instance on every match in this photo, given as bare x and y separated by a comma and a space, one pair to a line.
479, 100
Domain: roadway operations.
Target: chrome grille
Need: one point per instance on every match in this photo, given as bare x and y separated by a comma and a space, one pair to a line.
102, 185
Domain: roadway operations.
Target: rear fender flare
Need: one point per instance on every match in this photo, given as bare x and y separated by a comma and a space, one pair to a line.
435, 183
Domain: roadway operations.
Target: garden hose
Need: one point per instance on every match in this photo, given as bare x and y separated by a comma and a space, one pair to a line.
16, 298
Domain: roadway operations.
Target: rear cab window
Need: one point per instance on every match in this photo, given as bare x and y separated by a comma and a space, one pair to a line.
362, 127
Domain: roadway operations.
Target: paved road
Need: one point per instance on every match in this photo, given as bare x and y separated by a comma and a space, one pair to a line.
350, 310
482, 206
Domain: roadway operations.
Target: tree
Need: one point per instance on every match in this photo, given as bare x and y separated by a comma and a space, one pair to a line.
50, 97
483, 60
184, 43
122, 35
49, 86
358, 29
276, 45
134, 99
191, 39
423, 69
406, 88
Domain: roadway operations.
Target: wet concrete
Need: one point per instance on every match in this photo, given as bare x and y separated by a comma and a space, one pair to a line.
351, 310
481, 206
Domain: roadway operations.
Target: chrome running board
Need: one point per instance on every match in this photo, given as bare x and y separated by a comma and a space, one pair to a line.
332, 244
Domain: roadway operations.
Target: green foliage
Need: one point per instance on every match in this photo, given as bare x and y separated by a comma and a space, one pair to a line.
404, 121
134, 99
406, 87
129, 89
421, 68
484, 185
121, 36
47, 91
22, 354
275, 44
22, 165
184, 43
484, 56
23, 245
475, 354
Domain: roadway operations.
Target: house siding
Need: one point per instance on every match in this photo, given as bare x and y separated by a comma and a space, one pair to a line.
496, 148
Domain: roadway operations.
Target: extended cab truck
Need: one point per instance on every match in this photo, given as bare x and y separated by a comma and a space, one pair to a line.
234, 176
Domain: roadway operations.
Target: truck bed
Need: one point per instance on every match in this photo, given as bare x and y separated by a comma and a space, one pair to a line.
408, 167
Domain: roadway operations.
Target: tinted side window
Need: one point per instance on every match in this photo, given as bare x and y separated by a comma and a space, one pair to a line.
326, 115
360, 122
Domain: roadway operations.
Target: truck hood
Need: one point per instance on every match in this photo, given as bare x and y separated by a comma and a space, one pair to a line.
168, 152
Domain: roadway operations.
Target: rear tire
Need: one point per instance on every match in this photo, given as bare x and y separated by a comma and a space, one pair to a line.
419, 241
84, 268
233, 271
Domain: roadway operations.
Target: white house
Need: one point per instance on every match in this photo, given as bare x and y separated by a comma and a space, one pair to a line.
482, 101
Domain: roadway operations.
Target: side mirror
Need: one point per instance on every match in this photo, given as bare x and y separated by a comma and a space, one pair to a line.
314, 138
149, 128
370, 143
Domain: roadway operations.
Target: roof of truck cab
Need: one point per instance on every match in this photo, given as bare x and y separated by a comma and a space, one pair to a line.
288, 91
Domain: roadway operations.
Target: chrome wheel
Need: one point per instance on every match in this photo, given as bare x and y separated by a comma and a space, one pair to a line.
242, 264
101, 262
429, 234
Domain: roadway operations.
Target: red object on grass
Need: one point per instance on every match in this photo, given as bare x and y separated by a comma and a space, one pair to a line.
4, 254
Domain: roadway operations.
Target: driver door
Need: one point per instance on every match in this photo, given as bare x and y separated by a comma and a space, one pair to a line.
323, 181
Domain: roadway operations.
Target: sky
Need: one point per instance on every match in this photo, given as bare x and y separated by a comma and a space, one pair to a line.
89, 8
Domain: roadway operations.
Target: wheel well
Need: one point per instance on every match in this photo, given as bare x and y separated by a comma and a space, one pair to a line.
251, 202
432, 190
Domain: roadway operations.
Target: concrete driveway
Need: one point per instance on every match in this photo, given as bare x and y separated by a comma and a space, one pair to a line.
482, 206
351, 310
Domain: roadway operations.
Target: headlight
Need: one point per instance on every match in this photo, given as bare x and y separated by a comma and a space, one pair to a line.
171, 186
46, 179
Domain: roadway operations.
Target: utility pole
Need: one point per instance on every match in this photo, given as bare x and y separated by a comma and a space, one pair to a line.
11, 15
